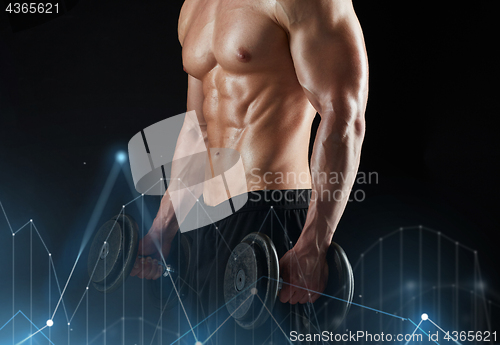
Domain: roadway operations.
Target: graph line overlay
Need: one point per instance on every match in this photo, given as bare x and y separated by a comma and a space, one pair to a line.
139, 202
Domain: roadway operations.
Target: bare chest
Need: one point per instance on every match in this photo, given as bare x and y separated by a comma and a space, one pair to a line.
240, 36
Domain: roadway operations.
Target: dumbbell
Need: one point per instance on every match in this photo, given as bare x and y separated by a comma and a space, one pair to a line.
252, 283
112, 256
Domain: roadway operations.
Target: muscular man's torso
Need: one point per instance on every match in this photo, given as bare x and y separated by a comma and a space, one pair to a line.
253, 102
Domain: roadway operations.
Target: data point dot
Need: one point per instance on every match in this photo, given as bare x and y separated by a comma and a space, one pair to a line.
121, 157
50, 323
425, 316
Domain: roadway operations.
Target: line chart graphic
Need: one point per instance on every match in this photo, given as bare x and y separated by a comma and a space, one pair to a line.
409, 274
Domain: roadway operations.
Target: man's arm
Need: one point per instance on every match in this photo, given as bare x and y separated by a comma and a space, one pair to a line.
188, 165
166, 222
328, 51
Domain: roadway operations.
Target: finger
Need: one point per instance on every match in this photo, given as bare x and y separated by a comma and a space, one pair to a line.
159, 272
153, 269
148, 267
142, 267
306, 298
296, 295
304, 294
285, 293
314, 297
136, 269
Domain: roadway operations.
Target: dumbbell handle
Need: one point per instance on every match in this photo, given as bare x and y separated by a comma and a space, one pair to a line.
166, 269
280, 284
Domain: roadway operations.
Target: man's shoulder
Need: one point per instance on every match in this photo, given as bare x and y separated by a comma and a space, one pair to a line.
185, 14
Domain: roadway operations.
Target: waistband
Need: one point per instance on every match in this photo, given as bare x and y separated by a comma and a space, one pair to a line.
278, 199
288, 199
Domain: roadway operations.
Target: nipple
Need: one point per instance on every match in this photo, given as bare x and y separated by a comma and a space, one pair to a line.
243, 55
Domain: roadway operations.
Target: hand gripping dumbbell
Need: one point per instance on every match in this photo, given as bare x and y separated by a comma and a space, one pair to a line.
252, 283
112, 256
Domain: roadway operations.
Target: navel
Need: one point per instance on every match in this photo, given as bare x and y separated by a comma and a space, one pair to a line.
243, 55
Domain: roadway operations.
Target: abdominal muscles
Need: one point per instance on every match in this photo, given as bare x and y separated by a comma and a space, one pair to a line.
253, 102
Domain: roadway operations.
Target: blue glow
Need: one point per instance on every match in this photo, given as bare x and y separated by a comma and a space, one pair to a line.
121, 157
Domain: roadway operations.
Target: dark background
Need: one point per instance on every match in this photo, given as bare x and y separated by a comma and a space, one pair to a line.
76, 88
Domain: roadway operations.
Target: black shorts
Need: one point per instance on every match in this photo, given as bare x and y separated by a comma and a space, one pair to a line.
211, 248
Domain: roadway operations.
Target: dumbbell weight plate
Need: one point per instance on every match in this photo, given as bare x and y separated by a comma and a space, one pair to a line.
251, 280
112, 253
255, 258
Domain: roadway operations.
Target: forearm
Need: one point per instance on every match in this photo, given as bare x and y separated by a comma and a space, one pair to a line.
165, 219
334, 165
